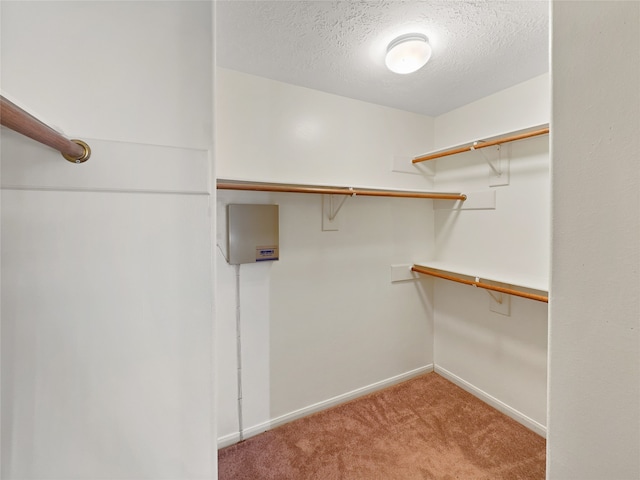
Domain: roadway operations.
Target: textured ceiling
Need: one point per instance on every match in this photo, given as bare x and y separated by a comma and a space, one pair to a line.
479, 47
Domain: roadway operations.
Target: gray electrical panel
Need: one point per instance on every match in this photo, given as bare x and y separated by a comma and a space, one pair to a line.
253, 233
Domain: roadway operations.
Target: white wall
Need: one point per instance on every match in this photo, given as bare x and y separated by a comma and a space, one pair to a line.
594, 361
324, 321
283, 133
106, 266
501, 358
514, 108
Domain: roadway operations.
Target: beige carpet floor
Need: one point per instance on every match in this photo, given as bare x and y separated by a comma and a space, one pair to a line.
425, 428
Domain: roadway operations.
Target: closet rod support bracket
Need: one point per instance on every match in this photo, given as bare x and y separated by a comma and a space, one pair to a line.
497, 170
499, 298
82, 158
333, 210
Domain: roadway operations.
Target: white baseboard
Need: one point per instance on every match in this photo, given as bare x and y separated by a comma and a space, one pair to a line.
227, 440
494, 402
232, 438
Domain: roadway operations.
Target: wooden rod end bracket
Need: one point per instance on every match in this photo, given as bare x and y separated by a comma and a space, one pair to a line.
82, 158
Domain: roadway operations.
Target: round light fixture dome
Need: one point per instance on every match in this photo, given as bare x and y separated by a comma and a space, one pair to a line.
408, 53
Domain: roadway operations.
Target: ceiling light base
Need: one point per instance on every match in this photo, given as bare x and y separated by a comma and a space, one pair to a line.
408, 53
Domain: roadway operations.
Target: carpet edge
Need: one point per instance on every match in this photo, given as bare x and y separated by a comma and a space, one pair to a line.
234, 437
502, 407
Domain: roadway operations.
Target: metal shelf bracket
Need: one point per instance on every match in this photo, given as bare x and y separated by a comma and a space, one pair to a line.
497, 170
499, 298
330, 208
333, 209
499, 166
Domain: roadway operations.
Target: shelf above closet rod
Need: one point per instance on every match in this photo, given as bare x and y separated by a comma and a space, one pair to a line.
290, 188
481, 144
15, 118
477, 283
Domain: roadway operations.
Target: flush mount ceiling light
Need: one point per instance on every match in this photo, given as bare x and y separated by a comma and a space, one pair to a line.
408, 53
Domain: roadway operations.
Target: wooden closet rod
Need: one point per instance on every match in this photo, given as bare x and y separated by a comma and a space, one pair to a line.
477, 145
15, 118
510, 291
336, 191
